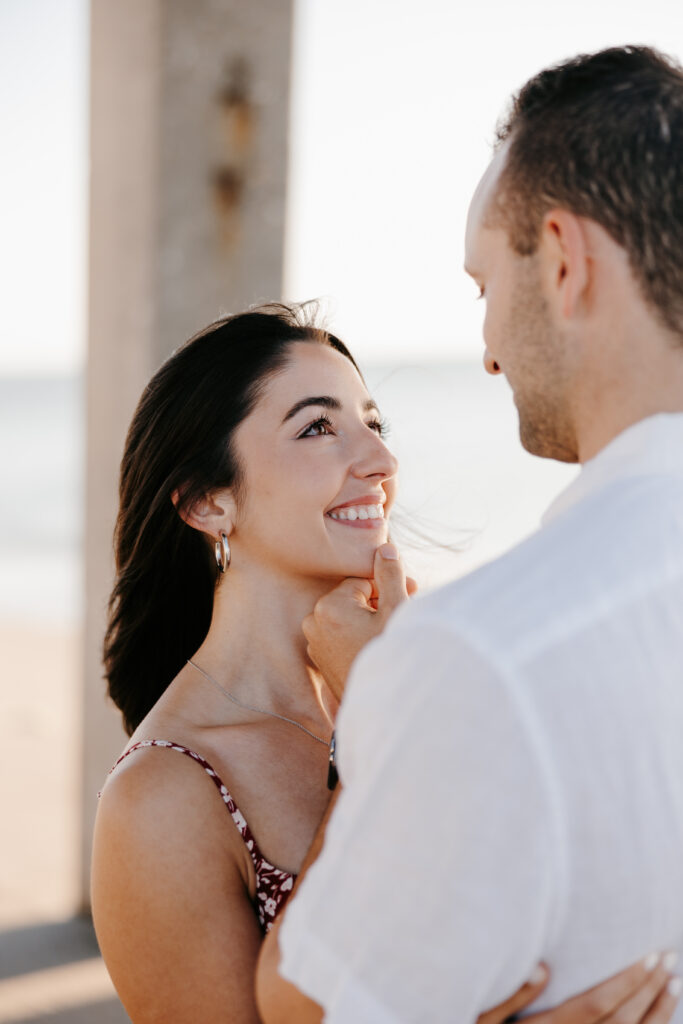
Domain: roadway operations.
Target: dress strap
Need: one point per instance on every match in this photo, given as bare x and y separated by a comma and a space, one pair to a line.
273, 885
234, 810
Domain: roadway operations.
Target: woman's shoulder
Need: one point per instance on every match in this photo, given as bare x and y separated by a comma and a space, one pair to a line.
146, 771
171, 892
156, 795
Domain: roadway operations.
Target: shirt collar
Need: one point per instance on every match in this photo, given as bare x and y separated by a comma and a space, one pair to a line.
654, 446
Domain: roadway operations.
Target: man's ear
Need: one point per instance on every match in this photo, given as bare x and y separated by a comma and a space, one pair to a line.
566, 261
212, 514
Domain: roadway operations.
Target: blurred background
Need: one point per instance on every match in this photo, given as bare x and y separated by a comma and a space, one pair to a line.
165, 161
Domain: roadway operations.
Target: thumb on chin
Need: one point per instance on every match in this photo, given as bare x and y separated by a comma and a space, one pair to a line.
388, 552
390, 579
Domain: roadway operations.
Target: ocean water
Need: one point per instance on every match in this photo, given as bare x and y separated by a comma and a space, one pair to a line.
467, 487
41, 498
468, 490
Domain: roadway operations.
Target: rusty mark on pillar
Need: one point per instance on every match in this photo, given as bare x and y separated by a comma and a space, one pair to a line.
236, 125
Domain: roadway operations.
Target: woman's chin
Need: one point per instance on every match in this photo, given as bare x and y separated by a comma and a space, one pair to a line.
357, 559
361, 566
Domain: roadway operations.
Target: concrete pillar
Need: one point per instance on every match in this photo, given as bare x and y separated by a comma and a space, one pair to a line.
189, 124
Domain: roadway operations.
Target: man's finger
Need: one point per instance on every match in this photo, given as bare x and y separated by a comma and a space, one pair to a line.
308, 627
331, 607
354, 588
390, 578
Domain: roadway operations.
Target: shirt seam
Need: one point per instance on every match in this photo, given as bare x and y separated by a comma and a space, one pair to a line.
571, 626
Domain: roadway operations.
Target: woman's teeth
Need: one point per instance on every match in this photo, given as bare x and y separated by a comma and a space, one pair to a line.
354, 512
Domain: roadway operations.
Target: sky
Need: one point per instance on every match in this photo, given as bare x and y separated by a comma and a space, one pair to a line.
43, 184
393, 109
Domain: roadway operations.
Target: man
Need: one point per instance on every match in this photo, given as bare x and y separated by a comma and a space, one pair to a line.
511, 748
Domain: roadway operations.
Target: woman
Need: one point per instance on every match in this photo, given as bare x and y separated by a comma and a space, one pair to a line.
255, 476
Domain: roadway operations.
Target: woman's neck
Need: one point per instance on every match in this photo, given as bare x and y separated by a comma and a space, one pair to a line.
255, 646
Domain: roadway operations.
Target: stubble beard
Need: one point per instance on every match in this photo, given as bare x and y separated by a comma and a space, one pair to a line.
539, 379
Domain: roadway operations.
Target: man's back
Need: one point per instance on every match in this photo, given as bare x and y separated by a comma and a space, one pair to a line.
587, 617
545, 694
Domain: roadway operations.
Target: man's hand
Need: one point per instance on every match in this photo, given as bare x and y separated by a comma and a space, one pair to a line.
352, 614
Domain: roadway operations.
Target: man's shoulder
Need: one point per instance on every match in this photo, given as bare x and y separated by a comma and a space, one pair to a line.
525, 590
587, 559
514, 588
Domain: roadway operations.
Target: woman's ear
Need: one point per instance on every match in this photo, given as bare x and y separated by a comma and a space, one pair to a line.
212, 514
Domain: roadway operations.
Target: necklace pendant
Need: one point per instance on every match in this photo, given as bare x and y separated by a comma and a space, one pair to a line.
332, 773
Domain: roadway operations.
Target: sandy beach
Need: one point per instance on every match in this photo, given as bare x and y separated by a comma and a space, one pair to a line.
39, 711
50, 970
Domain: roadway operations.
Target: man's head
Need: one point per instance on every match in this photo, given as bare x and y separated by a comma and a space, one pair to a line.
578, 222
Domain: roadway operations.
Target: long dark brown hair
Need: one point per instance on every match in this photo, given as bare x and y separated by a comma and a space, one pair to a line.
180, 441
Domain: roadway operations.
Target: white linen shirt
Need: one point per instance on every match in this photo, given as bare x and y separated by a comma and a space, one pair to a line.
511, 750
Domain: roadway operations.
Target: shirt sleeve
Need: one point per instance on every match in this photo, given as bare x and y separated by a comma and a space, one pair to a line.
434, 893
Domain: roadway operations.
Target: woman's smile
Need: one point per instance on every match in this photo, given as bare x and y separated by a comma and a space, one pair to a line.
314, 454
365, 513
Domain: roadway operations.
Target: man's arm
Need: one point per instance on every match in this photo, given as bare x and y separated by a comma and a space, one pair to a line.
278, 1001
343, 622
436, 884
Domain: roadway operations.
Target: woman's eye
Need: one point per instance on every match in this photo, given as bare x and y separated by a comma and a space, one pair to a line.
319, 428
380, 426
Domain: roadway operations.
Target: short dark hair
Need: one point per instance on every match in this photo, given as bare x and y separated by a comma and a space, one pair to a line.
602, 136
180, 440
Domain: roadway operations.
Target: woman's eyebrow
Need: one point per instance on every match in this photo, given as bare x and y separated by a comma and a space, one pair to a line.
327, 402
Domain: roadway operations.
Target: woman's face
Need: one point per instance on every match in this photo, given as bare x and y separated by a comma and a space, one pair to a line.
318, 480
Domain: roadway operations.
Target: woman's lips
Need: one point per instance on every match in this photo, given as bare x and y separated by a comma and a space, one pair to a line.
360, 524
364, 515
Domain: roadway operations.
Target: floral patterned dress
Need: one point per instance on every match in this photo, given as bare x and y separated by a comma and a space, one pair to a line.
273, 885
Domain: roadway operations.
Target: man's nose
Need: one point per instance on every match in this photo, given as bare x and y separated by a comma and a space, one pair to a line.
490, 364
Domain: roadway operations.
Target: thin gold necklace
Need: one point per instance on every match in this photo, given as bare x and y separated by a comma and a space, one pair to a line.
250, 707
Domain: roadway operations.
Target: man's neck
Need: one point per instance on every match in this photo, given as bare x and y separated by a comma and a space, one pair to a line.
618, 400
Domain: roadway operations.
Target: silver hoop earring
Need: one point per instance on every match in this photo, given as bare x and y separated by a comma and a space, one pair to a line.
222, 550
